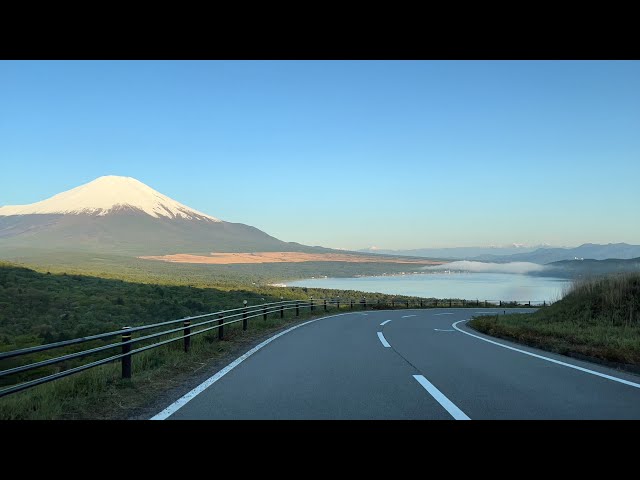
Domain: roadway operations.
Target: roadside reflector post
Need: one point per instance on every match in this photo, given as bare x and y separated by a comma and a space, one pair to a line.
281, 308
187, 338
500, 302
436, 302
244, 315
325, 304
421, 303
544, 303
351, 304
311, 308
449, 303
364, 303
464, 303
126, 348
407, 303
297, 309
393, 303
338, 303
220, 326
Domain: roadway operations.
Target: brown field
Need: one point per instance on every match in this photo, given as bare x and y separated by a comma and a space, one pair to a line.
284, 257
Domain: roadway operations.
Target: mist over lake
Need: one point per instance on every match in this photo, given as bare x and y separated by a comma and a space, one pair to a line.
469, 286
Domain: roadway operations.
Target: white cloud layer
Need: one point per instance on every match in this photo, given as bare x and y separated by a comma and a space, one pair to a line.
483, 267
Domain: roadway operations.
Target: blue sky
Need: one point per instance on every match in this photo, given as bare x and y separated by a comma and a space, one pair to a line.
397, 154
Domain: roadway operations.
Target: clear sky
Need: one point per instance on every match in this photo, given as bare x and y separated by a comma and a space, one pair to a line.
397, 154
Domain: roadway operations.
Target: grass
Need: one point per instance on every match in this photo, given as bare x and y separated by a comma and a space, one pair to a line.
100, 393
598, 318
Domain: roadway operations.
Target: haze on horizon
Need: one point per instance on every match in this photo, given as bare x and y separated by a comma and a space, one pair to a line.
400, 155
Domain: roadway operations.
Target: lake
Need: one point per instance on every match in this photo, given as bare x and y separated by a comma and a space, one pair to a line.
469, 286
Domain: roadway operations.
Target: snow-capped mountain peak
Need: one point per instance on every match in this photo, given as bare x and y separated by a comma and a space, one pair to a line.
109, 194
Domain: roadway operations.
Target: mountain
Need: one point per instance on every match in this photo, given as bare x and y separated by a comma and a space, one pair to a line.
585, 251
458, 253
589, 268
123, 215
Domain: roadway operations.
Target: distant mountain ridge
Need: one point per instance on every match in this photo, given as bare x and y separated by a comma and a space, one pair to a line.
541, 255
123, 215
589, 267
586, 251
457, 253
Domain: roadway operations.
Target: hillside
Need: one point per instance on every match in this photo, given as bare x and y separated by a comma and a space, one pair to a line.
588, 268
599, 319
585, 251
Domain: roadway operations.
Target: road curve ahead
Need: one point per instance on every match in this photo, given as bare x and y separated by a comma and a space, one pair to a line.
407, 364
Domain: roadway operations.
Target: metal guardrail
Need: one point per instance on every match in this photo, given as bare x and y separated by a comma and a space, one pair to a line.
188, 329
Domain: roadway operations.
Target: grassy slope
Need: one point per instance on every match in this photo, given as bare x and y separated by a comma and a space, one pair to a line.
37, 308
598, 318
40, 308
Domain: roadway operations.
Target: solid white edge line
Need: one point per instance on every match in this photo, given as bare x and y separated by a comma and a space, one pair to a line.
383, 340
441, 330
384, 323
448, 405
182, 401
446, 313
407, 316
586, 370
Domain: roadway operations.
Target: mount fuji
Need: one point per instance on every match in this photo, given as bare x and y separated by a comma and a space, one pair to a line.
114, 214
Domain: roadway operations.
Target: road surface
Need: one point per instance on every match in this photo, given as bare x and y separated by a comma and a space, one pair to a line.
407, 364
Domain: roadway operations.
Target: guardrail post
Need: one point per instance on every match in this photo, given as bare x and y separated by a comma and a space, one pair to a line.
325, 304
297, 309
126, 360
244, 315
281, 310
311, 308
264, 313
220, 326
187, 339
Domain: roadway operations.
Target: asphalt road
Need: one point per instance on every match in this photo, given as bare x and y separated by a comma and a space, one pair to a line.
418, 365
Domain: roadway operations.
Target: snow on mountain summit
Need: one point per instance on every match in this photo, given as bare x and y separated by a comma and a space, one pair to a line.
106, 195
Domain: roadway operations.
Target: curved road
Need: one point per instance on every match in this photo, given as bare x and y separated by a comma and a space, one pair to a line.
407, 364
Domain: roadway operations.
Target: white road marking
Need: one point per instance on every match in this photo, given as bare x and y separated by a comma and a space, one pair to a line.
446, 313
383, 340
586, 370
182, 401
448, 405
407, 316
440, 330
485, 312
385, 322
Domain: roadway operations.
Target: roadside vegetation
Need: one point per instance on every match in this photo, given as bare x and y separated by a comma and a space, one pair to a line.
38, 308
598, 318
